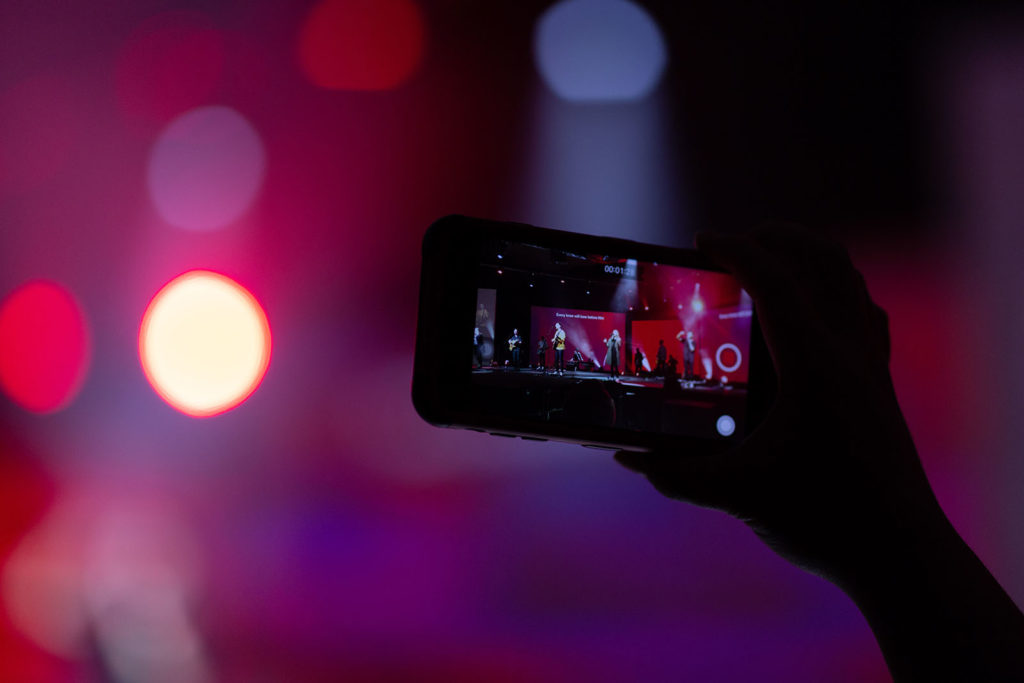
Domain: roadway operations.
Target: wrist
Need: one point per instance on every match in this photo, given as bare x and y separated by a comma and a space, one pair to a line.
902, 554
937, 612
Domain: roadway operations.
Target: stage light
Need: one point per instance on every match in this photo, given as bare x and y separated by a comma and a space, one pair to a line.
623, 187
206, 168
361, 44
204, 343
44, 346
647, 308
698, 305
680, 307
500, 256
499, 271
531, 284
563, 282
599, 50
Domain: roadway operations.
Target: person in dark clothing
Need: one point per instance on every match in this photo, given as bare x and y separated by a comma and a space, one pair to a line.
638, 362
672, 368
662, 355
575, 361
542, 353
515, 343
689, 350
611, 359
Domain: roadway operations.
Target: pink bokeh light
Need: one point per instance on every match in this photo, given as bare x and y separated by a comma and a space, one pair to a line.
206, 168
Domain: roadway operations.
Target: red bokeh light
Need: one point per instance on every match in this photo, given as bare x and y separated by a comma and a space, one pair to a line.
171, 63
44, 346
361, 44
27, 493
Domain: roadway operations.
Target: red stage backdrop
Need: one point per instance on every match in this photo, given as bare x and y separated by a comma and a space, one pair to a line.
722, 336
584, 330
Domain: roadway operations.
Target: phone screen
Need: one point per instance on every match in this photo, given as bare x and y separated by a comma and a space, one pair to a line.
608, 341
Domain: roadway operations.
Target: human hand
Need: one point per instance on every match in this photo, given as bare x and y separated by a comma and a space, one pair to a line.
831, 480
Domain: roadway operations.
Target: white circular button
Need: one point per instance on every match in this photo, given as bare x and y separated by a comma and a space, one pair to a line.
726, 425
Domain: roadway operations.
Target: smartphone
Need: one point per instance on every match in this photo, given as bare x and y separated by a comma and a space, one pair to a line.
545, 334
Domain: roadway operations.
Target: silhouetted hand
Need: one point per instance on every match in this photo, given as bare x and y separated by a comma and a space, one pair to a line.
832, 473
831, 480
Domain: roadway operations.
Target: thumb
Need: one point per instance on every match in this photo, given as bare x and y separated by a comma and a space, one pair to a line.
710, 481
770, 285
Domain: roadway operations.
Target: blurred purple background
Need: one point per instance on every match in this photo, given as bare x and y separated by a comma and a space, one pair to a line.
320, 531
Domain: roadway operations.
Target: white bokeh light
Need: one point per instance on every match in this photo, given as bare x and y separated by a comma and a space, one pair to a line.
206, 168
204, 343
599, 50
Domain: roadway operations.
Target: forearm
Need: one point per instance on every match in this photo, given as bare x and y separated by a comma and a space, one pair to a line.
937, 612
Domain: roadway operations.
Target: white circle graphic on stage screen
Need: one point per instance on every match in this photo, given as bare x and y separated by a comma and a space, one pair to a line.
725, 425
735, 349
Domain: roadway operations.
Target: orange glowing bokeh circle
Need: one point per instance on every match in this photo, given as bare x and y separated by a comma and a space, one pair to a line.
361, 44
204, 343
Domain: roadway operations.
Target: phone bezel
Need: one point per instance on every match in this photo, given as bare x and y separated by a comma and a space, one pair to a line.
448, 289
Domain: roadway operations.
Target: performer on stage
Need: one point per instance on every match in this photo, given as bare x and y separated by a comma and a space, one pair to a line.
611, 359
542, 353
659, 369
689, 348
638, 362
558, 341
576, 361
515, 342
478, 354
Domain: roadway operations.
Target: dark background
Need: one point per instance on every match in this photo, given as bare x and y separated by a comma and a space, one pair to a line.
320, 530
